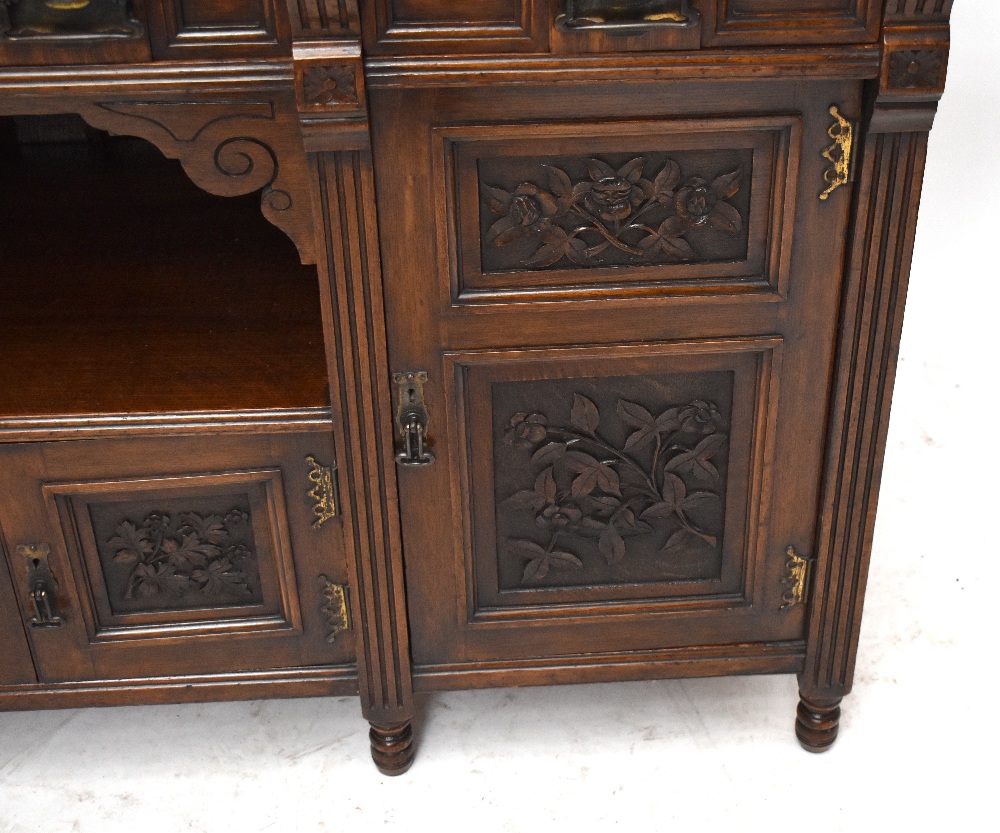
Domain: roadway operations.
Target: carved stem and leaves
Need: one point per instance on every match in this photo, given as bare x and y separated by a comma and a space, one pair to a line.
623, 209
187, 555
664, 480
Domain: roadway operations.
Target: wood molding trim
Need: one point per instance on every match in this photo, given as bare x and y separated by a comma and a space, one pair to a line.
354, 317
325, 681
888, 192
848, 62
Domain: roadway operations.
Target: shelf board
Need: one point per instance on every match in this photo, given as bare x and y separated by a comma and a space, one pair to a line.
126, 289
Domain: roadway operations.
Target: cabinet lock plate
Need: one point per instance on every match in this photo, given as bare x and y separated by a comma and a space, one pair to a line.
412, 418
41, 585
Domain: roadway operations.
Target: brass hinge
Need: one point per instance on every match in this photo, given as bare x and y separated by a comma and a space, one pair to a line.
839, 153
323, 492
334, 608
796, 578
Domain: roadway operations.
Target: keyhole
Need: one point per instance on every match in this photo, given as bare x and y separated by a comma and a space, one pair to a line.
412, 395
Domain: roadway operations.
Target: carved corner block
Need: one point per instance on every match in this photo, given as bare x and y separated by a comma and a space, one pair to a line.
915, 63
330, 86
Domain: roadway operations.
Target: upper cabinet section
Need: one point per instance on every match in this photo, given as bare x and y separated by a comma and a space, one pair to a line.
34, 32
414, 27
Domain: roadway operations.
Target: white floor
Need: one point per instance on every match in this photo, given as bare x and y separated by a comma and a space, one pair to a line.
649, 756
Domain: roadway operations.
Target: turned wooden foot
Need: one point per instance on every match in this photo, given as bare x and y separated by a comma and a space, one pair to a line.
817, 723
392, 748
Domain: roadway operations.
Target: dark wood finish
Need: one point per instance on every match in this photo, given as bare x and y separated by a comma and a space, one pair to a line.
657, 310
775, 345
224, 317
392, 748
175, 556
187, 29
354, 318
817, 723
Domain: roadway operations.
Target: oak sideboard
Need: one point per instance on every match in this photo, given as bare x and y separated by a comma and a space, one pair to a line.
370, 348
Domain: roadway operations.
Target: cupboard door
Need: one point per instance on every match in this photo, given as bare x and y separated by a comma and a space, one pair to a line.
625, 308
175, 556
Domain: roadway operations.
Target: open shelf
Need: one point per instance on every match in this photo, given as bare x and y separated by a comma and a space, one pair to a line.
124, 288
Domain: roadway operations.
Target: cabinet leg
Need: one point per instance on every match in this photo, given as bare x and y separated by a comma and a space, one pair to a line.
817, 723
392, 748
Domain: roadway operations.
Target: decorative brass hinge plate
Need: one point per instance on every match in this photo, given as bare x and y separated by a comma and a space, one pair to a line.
323, 492
839, 153
796, 578
334, 609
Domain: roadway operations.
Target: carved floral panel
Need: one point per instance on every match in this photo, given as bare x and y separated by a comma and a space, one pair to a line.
177, 554
611, 481
614, 210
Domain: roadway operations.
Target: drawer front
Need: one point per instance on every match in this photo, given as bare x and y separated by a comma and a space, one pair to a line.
625, 306
175, 556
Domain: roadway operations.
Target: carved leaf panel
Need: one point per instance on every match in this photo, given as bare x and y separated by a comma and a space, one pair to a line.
613, 474
167, 554
612, 481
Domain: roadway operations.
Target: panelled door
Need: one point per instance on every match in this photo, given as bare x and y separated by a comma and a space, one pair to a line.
624, 300
187, 555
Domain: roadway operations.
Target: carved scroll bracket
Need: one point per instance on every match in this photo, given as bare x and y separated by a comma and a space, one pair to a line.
227, 147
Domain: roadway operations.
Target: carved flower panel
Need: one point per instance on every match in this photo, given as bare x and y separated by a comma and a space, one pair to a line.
177, 554
615, 480
614, 210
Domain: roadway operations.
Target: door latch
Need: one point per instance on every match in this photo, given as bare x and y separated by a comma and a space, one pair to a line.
41, 585
411, 419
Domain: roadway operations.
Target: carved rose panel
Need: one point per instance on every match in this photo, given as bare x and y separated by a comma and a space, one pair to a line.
602, 210
615, 480
614, 210
177, 554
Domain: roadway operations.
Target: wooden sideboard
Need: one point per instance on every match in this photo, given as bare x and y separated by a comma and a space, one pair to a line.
394, 346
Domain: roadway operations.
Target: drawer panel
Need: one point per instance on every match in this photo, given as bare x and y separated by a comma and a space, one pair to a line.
182, 555
619, 210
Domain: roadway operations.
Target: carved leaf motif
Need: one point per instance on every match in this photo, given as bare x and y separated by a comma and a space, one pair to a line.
130, 544
584, 415
612, 545
587, 489
726, 218
196, 554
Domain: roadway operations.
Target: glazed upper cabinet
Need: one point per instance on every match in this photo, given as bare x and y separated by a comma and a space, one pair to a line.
625, 308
